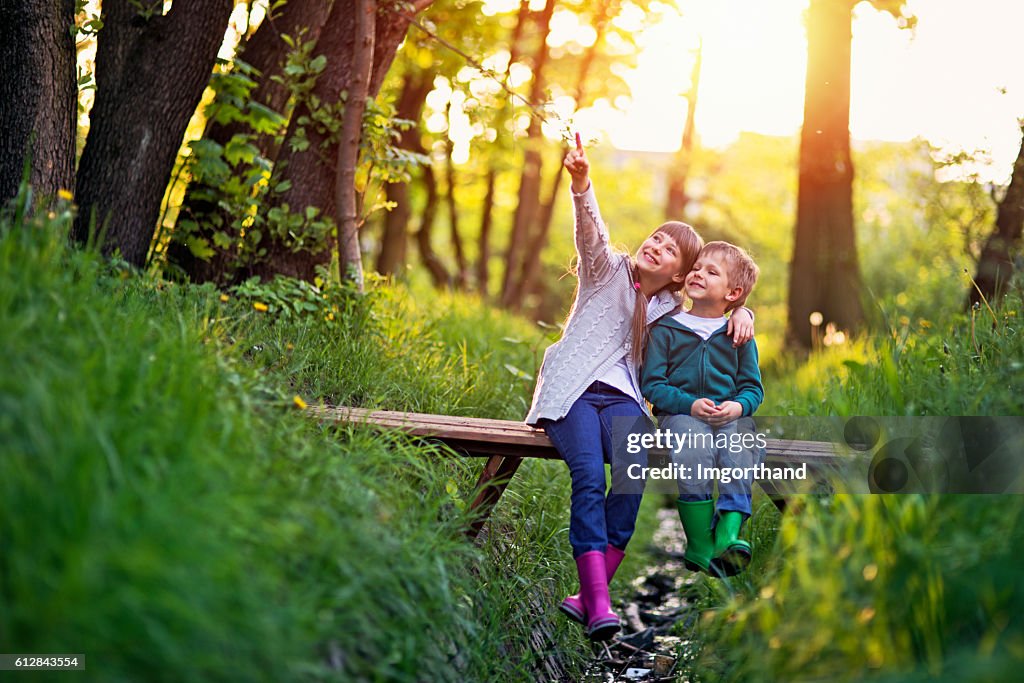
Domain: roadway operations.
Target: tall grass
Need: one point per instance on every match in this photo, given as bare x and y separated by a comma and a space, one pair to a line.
166, 509
893, 588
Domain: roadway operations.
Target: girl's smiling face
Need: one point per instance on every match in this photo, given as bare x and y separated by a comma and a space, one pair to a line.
661, 259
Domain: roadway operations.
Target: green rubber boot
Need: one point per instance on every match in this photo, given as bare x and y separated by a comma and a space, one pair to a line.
732, 554
700, 546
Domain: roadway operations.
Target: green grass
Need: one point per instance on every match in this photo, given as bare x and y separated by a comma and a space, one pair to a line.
166, 509
888, 588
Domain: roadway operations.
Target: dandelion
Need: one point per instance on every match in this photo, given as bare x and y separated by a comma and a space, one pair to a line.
330, 317
290, 346
299, 403
225, 298
767, 592
65, 195
261, 307
866, 615
870, 572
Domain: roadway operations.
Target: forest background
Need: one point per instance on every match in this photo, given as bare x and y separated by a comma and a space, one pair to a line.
237, 181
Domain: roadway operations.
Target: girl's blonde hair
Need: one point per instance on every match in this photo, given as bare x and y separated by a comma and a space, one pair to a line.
690, 244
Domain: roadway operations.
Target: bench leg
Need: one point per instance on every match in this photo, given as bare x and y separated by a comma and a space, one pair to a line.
496, 475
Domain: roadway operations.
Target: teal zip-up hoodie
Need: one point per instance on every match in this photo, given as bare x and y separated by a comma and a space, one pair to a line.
681, 368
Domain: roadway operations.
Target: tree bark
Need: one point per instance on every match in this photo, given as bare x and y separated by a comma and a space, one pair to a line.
149, 81
461, 265
313, 171
483, 274
483, 270
529, 281
350, 263
995, 267
529, 184
824, 275
39, 95
396, 223
266, 52
434, 266
677, 199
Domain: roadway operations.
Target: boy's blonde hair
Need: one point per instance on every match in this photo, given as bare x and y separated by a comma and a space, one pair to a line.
741, 271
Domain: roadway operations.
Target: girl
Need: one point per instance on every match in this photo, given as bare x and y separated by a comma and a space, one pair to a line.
589, 377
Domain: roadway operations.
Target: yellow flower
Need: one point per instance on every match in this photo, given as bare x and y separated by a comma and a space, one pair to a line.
866, 615
260, 306
330, 317
65, 195
290, 346
870, 572
299, 403
225, 297
774, 642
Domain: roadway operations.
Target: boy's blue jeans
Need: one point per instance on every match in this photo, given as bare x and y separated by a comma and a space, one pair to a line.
734, 495
584, 439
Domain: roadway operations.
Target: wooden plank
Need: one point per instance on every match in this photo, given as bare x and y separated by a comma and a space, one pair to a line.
473, 435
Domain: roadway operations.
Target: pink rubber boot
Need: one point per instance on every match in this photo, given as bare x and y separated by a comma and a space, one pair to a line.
572, 606
602, 623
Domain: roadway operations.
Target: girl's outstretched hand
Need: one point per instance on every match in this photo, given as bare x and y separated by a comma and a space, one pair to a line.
741, 326
578, 167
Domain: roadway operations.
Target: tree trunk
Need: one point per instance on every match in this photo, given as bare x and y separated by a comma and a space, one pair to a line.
995, 267
677, 199
149, 80
433, 264
39, 95
461, 266
483, 271
529, 281
824, 275
529, 184
483, 274
350, 262
266, 52
396, 223
313, 171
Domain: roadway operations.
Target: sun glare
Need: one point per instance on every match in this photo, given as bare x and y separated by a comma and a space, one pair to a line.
952, 80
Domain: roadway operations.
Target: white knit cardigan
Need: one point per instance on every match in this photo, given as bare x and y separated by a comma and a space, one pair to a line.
597, 333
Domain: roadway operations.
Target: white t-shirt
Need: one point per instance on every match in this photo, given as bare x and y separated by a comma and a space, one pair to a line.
705, 327
618, 376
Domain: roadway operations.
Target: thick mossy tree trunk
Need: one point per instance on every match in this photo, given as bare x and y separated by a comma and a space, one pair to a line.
311, 170
151, 69
995, 267
824, 275
267, 52
38, 95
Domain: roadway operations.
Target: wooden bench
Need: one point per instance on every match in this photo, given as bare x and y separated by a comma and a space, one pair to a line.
506, 443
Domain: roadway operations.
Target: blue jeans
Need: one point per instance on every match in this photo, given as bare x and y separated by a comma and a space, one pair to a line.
584, 439
734, 495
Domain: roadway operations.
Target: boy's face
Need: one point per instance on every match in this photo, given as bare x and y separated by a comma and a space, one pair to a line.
659, 256
708, 282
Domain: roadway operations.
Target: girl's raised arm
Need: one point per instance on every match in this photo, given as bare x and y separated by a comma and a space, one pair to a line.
592, 242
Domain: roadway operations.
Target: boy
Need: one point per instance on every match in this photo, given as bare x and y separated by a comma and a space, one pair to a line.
699, 385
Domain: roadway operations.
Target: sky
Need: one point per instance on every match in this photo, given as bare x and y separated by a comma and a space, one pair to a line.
954, 80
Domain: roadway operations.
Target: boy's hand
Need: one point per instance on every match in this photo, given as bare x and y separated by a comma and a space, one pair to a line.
579, 168
703, 409
740, 327
726, 412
